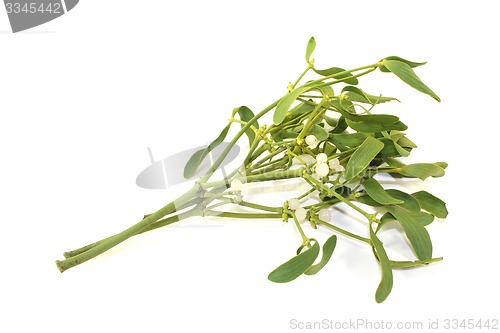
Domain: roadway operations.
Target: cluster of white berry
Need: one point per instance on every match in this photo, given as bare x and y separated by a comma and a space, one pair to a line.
323, 166
301, 213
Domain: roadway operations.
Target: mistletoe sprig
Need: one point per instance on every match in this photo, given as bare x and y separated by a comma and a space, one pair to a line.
334, 143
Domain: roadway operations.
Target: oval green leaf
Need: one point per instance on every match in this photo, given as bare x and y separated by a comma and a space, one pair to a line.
342, 107
311, 45
389, 149
355, 94
412, 64
342, 74
341, 126
403, 152
194, 162
286, 102
421, 170
328, 248
319, 132
409, 202
417, 234
362, 157
246, 115
407, 75
405, 142
431, 204
385, 285
301, 108
372, 127
377, 193
296, 266
350, 140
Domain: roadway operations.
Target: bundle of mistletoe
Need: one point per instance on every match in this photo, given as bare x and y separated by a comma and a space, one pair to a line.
333, 141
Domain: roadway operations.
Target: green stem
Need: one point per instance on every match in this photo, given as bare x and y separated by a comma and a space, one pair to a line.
306, 193
272, 166
243, 215
278, 210
332, 76
301, 76
275, 175
410, 264
228, 148
305, 239
309, 122
342, 231
112, 241
266, 158
346, 78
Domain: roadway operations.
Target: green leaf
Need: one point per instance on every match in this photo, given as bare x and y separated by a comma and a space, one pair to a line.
409, 202
443, 165
194, 162
326, 91
405, 142
407, 75
301, 109
415, 231
386, 218
412, 64
403, 152
350, 140
422, 218
246, 115
421, 170
385, 286
311, 45
296, 266
411, 264
367, 200
319, 132
383, 119
355, 94
329, 149
389, 149
394, 163
362, 157
341, 126
337, 70
330, 121
371, 127
286, 102
377, 193
431, 203
328, 248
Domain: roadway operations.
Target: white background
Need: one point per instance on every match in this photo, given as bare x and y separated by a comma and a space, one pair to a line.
83, 96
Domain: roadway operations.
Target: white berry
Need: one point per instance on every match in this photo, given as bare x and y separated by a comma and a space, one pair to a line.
300, 214
324, 215
322, 169
236, 185
311, 140
321, 158
293, 203
335, 165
